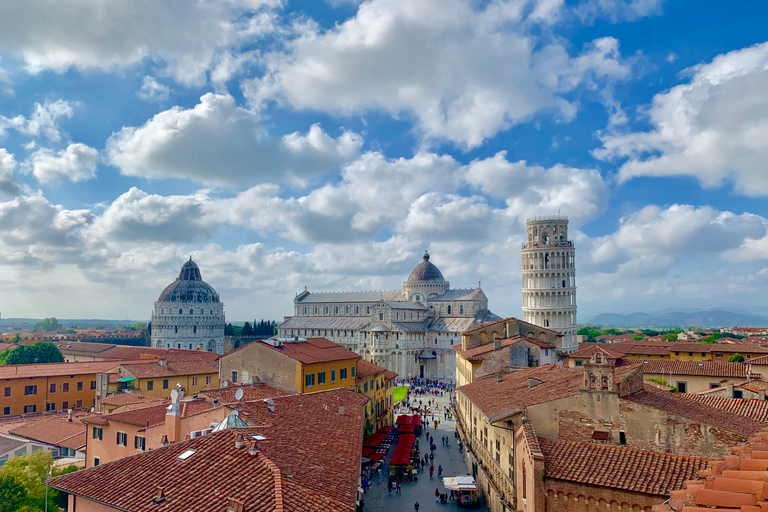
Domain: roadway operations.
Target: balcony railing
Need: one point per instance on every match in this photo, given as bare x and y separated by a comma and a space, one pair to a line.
535, 245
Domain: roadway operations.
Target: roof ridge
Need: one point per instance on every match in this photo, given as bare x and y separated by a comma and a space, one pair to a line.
278, 482
607, 447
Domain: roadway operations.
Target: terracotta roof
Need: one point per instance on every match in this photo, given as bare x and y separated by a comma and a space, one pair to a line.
759, 360
618, 467
323, 456
25, 371
389, 375
485, 326
500, 399
734, 484
314, 350
480, 352
640, 348
703, 368
171, 369
367, 368
53, 429
748, 407
250, 393
168, 354
736, 348
754, 386
131, 398
588, 352
530, 436
677, 404
84, 348
153, 415
6, 346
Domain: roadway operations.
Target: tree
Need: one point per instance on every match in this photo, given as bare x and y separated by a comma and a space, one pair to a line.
30, 472
229, 330
43, 352
48, 324
736, 358
12, 494
637, 337
247, 330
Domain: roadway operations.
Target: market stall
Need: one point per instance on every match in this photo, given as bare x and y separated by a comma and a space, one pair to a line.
465, 489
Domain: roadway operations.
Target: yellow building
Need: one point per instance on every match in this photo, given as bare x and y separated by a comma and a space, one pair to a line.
378, 384
692, 351
36, 388
298, 365
159, 378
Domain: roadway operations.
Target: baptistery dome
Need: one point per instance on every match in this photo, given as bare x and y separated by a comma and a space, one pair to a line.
189, 314
189, 287
426, 271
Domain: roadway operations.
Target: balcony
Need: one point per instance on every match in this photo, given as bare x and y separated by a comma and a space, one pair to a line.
536, 245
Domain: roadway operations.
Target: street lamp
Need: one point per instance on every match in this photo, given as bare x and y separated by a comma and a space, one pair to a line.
47, 477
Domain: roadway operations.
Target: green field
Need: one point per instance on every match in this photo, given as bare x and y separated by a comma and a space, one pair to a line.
399, 393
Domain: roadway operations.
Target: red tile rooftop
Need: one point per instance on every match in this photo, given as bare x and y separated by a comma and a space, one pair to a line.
24, 371
312, 350
367, 368
251, 392
53, 429
300, 465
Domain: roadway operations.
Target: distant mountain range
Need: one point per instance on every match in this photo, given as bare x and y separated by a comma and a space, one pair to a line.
710, 318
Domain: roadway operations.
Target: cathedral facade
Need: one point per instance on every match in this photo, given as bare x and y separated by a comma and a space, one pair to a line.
189, 314
408, 331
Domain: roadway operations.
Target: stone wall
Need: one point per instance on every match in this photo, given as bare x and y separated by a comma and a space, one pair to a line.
563, 496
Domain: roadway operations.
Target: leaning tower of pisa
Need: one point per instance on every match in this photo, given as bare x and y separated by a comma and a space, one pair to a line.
549, 278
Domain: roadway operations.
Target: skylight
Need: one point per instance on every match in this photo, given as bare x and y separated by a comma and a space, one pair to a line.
187, 454
259, 437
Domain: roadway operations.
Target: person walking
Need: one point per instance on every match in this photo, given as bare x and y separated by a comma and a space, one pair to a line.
389, 487
378, 475
416, 506
431, 471
397, 490
437, 495
439, 470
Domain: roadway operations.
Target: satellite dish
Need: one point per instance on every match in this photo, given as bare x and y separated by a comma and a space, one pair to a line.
225, 384
239, 394
174, 395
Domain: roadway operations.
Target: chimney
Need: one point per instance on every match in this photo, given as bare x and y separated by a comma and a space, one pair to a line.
499, 378
173, 419
341, 410
729, 388
761, 394
164, 440
289, 471
239, 441
234, 505
253, 448
496, 344
160, 496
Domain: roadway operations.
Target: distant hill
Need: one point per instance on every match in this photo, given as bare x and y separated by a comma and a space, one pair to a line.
711, 318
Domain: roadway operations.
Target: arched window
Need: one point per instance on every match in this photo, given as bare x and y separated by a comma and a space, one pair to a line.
180, 311
176, 329
368, 310
326, 310
449, 309
190, 311
337, 310
357, 309
461, 310
305, 310
194, 329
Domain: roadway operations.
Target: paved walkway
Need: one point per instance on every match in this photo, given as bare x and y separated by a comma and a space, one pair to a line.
422, 491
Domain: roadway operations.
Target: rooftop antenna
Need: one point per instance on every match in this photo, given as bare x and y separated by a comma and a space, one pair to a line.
239, 394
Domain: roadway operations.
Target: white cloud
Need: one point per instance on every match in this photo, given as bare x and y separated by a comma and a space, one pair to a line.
8, 184
581, 194
713, 128
184, 36
217, 142
436, 216
617, 11
462, 71
136, 216
42, 121
75, 163
648, 241
152, 90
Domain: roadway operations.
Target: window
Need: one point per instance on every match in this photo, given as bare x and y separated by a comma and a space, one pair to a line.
737, 393
208, 381
194, 329
320, 378
95, 461
677, 353
50, 406
461, 310
65, 387
80, 386
365, 387
140, 443
234, 376
53, 388
343, 373
122, 439
6, 411
353, 372
176, 329
718, 355
93, 384
30, 409
79, 404
150, 385
682, 387
194, 381
98, 433
30, 390
333, 375
165, 383
65, 405
381, 316
309, 380
690, 353
180, 311
449, 309
190, 311
7, 392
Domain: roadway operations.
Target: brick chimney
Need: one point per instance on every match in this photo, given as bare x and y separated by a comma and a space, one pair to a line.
173, 419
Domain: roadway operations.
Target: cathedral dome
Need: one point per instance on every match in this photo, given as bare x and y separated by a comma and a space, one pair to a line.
426, 271
189, 287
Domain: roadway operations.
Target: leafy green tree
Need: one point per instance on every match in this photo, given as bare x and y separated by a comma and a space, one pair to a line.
48, 324
736, 358
584, 331
247, 330
31, 472
138, 326
12, 494
229, 330
637, 337
43, 352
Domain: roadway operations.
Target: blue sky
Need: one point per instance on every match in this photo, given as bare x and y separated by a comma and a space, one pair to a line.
326, 144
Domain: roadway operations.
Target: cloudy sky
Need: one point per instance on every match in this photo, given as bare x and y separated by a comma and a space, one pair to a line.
325, 144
